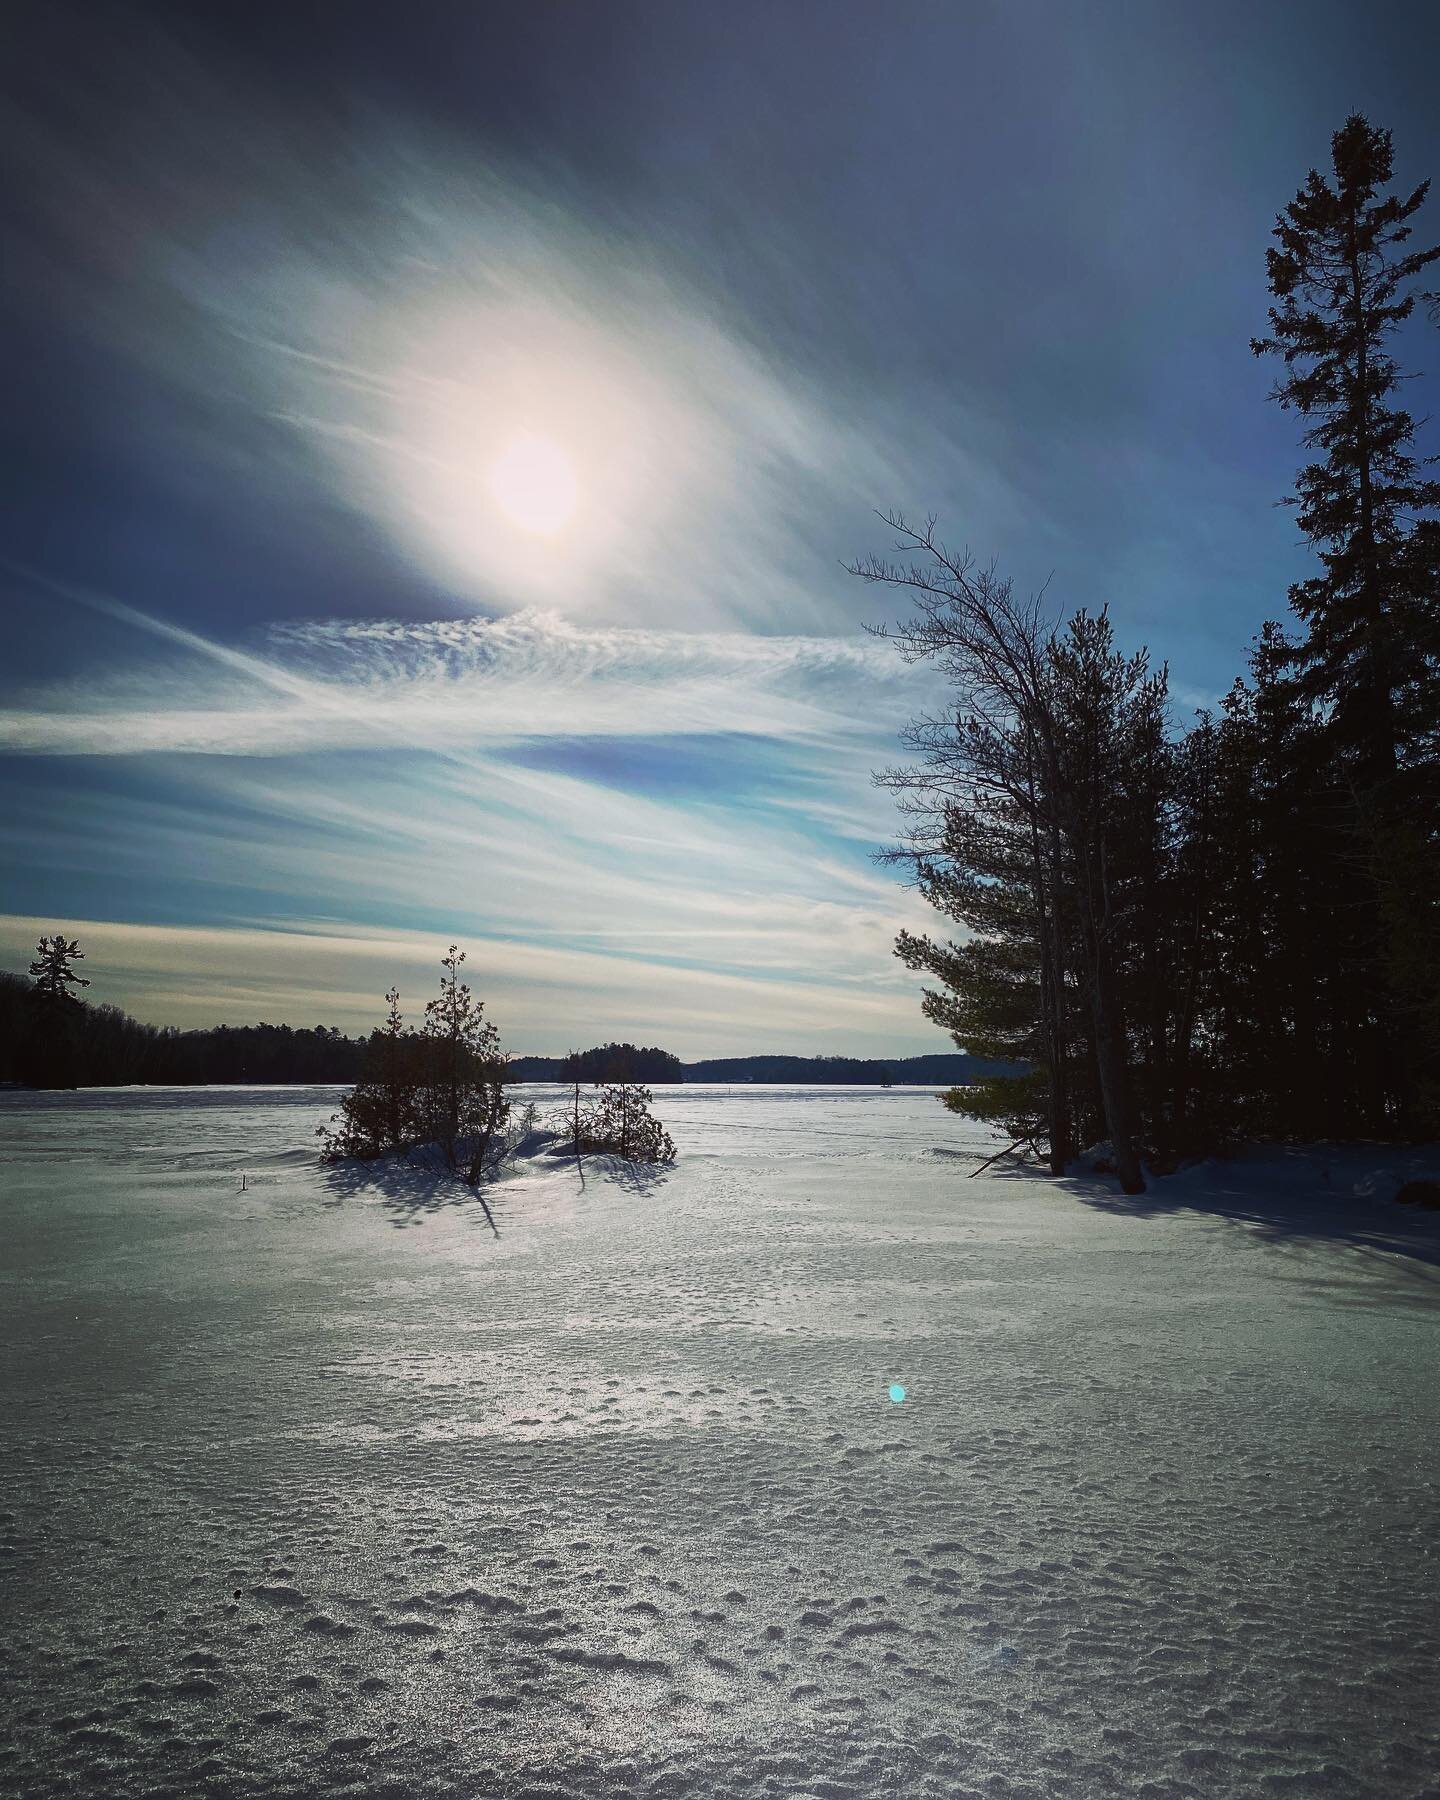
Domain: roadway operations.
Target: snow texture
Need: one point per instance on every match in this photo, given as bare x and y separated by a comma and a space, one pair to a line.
321, 1488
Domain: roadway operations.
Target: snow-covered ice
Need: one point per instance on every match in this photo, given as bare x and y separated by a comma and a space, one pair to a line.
320, 1487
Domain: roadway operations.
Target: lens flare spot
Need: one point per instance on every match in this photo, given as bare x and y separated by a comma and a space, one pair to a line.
897, 1393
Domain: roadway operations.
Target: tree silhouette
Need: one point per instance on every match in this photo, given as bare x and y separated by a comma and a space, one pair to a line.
52, 973
463, 1101
382, 1112
49, 1058
1369, 660
1339, 281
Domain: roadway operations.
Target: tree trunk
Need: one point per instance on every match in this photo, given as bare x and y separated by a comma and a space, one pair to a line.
1052, 988
1115, 1079
1111, 1058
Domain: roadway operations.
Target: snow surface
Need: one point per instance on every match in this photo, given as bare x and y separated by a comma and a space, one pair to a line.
320, 1487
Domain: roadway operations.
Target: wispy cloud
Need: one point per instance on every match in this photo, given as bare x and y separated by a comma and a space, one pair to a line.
630, 763
366, 773
454, 685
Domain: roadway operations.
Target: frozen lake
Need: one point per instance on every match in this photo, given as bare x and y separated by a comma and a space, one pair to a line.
320, 1487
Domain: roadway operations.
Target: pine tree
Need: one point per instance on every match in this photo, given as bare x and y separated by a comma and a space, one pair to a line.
445, 1086
463, 1102
621, 1124
394, 1063
1253, 842
984, 842
1193, 932
1103, 712
986, 990
1024, 801
51, 1053
1340, 284
52, 972
381, 1115
1370, 658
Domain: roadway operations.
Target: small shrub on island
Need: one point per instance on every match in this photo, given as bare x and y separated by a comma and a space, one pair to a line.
444, 1085
617, 1122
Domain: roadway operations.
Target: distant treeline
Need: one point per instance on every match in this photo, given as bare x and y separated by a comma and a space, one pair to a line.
623, 1062
101, 1046
942, 1070
84, 1045
608, 1062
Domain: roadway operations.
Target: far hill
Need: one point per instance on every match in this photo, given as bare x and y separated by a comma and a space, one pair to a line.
607, 1062
945, 1069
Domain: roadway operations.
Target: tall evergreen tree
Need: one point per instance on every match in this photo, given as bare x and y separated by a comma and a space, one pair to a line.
1025, 803
1105, 719
986, 848
1192, 932
51, 1053
985, 991
1340, 281
52, 972
1233, 932
1369, 660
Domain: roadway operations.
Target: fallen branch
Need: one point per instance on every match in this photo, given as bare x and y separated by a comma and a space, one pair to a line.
1029, 1143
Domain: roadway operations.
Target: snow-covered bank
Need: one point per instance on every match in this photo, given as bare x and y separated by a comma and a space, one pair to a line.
1344, 1191
320, 1487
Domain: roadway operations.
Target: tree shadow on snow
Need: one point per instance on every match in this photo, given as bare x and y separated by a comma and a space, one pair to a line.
1294, 1199
409, 1191
412, 1188
641, 1179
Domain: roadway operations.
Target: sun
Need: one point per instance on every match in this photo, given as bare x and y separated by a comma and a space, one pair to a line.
532, 481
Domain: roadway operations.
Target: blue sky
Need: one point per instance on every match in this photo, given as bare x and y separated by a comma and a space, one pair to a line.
292, 693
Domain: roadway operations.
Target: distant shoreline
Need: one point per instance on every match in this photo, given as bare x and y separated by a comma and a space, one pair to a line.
102, 1087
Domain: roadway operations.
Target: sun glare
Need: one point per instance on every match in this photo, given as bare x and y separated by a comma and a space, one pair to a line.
533, 483
533, 454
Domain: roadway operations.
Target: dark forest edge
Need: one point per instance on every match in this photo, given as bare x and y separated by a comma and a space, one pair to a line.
1229, 932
